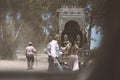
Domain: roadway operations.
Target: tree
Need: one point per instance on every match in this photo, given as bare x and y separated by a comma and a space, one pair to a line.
21, 21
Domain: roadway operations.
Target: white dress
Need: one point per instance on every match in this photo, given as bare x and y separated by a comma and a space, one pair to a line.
73, 62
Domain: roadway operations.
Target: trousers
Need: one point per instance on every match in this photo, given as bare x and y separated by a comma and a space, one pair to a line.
53, 67
30, 61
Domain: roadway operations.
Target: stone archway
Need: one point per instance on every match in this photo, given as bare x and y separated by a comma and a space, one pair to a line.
72, 22
72, 29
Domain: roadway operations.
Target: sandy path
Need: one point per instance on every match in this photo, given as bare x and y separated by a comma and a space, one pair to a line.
20, 64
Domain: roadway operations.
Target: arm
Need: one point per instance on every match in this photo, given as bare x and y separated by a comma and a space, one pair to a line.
48, 50
26, 52
34, 50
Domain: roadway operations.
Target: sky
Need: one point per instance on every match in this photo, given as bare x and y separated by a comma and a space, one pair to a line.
97, 37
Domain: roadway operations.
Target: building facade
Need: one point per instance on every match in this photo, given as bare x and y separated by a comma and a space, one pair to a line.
72, 22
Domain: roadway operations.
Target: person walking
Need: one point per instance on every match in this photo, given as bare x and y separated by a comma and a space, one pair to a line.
30, 50
53, 54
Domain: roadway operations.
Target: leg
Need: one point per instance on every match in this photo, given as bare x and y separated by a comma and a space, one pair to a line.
50, 61
75, 63
28, 61
70, 63
31, 61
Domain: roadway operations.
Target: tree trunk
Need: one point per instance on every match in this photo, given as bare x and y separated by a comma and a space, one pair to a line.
89, 31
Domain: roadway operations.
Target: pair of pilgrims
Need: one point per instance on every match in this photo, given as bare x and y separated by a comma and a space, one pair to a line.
73, 62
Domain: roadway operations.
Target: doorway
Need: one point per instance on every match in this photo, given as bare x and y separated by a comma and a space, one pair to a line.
71, 29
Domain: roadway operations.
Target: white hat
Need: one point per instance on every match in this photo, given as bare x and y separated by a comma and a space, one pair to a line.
30, 43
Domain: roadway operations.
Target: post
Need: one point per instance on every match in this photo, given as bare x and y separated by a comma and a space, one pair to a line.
36, 60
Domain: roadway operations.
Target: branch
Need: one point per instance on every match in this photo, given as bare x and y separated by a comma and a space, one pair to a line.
17, 33
1, 31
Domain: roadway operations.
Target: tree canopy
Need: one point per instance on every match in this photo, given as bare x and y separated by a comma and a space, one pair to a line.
33, 20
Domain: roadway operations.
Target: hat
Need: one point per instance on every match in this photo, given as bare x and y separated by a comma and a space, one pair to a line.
30, 43
57, 36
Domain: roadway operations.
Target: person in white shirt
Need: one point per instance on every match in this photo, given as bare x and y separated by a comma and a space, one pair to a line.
30, 50
53, 53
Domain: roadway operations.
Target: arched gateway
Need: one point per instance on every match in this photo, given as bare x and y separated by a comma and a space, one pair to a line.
72, 29
72, 22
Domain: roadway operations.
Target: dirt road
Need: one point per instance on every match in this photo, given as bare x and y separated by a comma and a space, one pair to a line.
20, 64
